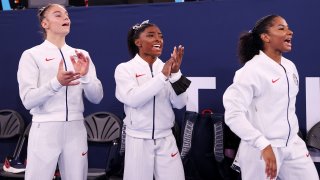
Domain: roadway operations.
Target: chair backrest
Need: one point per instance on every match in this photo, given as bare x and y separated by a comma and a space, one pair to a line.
313, 136
21, 143
103, 127
11, 124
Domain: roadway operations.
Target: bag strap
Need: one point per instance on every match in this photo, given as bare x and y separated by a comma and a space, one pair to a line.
123, 140
218, 133
190, 119
218, 139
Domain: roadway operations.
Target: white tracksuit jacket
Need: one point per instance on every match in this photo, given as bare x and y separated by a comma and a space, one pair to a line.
41, 92
260, 104
147, 97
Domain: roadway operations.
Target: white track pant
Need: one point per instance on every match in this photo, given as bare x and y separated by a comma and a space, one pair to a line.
145, 158
50, 143
293, 162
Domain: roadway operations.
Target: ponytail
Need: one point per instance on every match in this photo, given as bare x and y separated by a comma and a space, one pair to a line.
250, 42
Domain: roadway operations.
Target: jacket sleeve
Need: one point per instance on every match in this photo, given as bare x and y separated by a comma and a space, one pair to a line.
28, 74
129, 93
236, 100
92, 86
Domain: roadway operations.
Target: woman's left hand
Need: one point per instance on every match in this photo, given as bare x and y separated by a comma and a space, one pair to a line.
81, 64
177, 55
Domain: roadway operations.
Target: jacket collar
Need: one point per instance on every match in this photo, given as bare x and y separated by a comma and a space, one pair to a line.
50, 45
143, 62
269, 60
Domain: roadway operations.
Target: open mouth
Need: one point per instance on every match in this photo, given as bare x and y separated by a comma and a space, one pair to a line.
288, 41
157, 46
66, 24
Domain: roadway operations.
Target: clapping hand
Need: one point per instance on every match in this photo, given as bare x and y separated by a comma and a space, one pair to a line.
167, 68
80, 63
177, 55
67, 78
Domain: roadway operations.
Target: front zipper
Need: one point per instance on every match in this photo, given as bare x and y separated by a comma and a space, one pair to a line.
288, 103
154, 107
66, 69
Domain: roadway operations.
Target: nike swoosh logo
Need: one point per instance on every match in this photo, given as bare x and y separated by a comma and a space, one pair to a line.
275, 80
84, 153
174, 154
138, 75
49, 59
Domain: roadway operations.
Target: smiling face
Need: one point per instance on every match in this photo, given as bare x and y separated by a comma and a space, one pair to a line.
278, 38
56, 21
150, 43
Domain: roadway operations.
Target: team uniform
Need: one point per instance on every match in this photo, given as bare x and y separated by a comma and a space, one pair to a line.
57, 133
148, 98
260, 109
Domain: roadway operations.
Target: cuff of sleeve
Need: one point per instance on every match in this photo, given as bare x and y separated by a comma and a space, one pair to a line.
84, 79
175, 76
163, 77
181, 85
262, 143
55, 84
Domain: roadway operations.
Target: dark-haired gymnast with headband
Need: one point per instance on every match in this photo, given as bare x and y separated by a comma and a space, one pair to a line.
149, 89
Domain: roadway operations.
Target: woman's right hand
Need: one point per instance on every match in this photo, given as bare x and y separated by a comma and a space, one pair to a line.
270, 160
67, 78
166, 70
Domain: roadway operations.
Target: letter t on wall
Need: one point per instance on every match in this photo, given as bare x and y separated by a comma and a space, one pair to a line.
193, 91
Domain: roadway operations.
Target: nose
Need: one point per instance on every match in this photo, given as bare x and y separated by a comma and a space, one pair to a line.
290, 32
66, 17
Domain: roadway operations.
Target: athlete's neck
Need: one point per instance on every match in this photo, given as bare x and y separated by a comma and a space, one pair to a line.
148, 58
274, 55
57, 40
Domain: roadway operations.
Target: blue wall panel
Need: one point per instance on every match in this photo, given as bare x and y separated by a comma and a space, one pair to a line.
209, 30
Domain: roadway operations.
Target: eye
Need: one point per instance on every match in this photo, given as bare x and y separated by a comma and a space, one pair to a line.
57, 14
283, 28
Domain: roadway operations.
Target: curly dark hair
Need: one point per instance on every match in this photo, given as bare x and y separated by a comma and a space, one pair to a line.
133, 34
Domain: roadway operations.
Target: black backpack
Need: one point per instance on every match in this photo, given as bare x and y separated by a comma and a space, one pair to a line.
115, 162
204, 139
